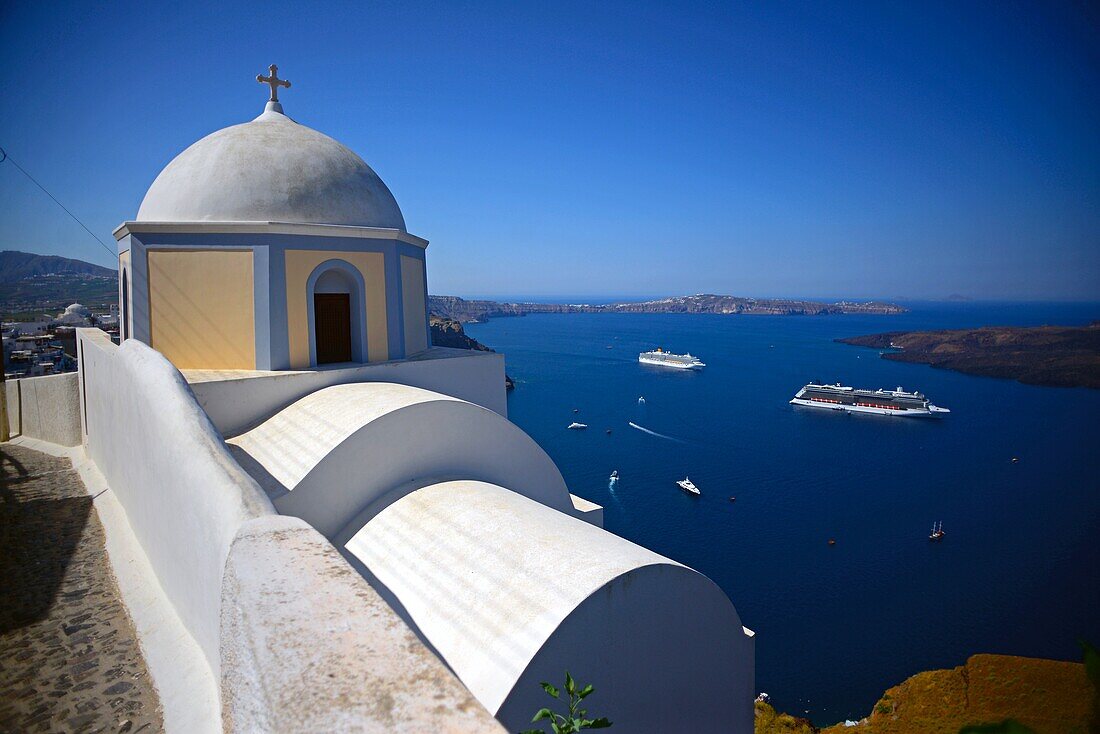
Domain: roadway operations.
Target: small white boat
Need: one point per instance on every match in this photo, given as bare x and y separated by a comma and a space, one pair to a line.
641, 401
688, 486
615, 475
577, 426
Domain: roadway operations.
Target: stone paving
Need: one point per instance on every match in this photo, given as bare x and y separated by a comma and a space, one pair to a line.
69, 655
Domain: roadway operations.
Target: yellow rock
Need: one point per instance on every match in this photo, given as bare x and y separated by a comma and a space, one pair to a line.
1049, 696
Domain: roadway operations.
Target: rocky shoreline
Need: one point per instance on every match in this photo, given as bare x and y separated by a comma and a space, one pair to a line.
449, 333
466, 311
1059, 356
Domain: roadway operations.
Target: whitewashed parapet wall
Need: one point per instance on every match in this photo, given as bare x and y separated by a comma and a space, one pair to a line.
369, 672
467, 528
185, 497
350, 449
44, 408
511, 593
289, 630
239, 400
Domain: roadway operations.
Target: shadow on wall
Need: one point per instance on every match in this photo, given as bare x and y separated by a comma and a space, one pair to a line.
197, 332
39, 534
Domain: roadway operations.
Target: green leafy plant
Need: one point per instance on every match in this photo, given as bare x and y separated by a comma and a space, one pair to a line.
575, 720
1092, 663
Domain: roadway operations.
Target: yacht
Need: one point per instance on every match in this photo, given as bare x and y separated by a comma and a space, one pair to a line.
615, 475
577, 426
937, 532
688, 486
877, 402
661, 358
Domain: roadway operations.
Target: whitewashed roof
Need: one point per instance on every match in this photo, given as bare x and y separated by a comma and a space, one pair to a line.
271, 169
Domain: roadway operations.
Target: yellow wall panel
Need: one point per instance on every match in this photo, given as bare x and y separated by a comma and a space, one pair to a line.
201, 310
300, 264
413, 306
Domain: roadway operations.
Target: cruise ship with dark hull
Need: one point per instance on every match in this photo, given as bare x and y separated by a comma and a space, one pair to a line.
876, 402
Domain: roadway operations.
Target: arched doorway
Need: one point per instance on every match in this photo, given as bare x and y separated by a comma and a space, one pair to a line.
332, 327
336, 307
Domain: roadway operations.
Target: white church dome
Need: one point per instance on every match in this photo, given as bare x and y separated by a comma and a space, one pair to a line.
270, 170
74, 313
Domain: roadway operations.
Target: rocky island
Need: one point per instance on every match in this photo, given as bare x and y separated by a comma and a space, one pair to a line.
465, 311
449, 333
1062, 356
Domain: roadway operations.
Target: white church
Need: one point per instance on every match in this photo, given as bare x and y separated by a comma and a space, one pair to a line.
346, 531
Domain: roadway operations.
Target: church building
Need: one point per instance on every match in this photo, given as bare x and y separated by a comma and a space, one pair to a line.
275, 391
269, 245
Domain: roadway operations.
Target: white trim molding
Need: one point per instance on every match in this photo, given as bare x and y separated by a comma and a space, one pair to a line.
289, 228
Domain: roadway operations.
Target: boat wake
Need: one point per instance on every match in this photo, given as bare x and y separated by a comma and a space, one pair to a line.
632, 424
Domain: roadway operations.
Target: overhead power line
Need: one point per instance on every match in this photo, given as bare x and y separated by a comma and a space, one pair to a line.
5, 157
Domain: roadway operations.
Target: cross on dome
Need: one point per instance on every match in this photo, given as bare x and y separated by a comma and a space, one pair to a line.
274, 82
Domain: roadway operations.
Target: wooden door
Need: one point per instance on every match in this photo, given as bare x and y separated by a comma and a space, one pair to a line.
332, 327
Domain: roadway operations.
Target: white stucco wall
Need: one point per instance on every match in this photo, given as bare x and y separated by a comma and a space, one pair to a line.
348, 449
369, 673
46, 408
511, 593
184, 495
296, 638
237, 401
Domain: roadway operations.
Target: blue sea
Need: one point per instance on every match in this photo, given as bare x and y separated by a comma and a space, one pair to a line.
1017, 573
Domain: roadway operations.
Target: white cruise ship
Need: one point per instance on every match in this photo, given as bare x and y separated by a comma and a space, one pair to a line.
661, 358
877, 402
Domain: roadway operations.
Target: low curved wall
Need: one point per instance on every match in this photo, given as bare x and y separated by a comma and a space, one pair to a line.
664, 650
184, 495
337, 455
239, 401
46, 408
367, 672
511, 593
296, 638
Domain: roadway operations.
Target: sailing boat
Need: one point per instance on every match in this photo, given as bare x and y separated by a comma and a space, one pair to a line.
937, 531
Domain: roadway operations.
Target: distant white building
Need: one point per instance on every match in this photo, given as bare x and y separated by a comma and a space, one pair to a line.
272, 267
74, 315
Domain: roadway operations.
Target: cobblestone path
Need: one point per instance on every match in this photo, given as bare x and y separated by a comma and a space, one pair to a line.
69, 656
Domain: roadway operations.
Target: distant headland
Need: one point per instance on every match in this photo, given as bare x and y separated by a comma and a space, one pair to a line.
465, 311
1061, 356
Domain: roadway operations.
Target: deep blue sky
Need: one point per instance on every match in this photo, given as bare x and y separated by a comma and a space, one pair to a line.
860, 150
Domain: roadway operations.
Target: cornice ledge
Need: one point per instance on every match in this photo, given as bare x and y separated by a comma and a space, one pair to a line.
305, 228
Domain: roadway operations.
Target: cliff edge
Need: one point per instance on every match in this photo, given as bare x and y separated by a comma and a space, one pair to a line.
1048, 696
448, 332
466, 311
